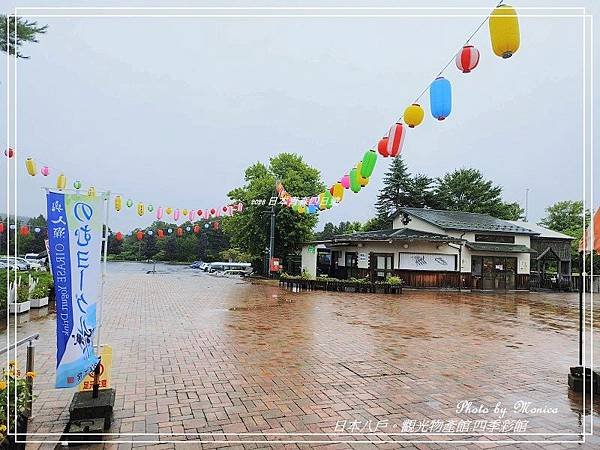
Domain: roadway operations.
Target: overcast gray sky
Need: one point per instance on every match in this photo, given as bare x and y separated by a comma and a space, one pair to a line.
172, 110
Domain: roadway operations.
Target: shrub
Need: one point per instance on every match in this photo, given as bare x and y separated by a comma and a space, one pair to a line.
395, 280
40, 291
22, 293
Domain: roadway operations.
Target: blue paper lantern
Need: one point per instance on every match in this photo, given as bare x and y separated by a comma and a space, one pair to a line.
440, 98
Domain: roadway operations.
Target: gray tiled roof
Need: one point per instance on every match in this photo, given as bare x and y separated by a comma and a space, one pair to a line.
502, 248
401, 234
464, 221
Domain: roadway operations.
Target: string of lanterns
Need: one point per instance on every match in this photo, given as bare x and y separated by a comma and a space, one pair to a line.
505, 39
141, 208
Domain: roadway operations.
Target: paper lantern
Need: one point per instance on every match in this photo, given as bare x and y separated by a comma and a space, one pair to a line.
413, 115
338, 192
1, 228
345, 181
213, 211
139, 235
196, 229
45, 171
149, 232
30, 165
179, 232
328, 199
169, 230
77, 184
363, 181
150, 208
118, 203
395, 139
188, 229
119, 236
160, 233
382, 147
354, 184
37, 229
61, 181
159, 213
368, 163
301, 209
440, 98
504, 31
467, 59
216, 225
206, 225
140, 209
91, 191
169, 210
199, 212
192, 215
24, 230
240, 207
185, 212
312, 209
206, 214
9, 152
129, 203
176, 214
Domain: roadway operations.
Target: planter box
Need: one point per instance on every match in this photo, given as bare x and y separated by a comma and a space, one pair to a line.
19, 307
38, 302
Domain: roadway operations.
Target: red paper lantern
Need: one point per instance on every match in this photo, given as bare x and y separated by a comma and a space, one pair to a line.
467, 59
119, 236
9, 152
215, 225
24, 230
213, 211
395, 140
139, 235
199, 212
382, 147
160, 233
1, 228
196, 229
179, 231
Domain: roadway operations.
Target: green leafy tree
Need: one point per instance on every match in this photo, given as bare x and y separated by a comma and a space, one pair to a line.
249, 231
400, 189
26, 31
467, 190
235, 255
330, 230
567, 217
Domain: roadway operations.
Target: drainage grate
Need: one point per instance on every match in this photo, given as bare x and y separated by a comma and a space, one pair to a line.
372, 369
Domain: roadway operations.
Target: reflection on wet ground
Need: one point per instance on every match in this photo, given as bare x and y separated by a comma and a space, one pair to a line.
195, 353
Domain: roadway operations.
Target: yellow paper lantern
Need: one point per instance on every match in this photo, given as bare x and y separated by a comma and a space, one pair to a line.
169, 211
413, 115
30, 165
118, 203
91, 191
363, 181
185, 212
61, 181
140, 209
504, 31
338, 192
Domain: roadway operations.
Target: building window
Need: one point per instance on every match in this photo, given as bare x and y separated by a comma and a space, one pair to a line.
499, 238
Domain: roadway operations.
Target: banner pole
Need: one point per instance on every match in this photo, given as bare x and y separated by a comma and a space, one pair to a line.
105, 253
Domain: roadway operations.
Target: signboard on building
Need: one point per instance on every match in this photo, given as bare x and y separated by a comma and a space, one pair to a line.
427, 261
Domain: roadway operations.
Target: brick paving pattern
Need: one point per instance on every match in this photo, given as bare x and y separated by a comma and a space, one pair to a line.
195, 353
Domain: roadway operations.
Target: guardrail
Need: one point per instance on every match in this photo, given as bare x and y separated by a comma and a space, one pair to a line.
29, 365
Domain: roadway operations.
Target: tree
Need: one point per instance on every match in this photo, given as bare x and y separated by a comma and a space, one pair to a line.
249, 231
567, 217
26, 31
330, 230
235, 255
467, 190
401, 190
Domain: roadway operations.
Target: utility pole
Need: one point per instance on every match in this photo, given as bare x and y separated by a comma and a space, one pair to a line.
526, 203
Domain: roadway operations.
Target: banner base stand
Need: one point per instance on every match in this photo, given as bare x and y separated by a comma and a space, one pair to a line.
86, 408
576, 382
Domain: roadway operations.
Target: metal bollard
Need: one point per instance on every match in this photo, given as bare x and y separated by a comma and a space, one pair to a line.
29, 367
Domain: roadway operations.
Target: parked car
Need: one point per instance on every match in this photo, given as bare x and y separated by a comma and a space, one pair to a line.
3, 265
34, 264
223, 266
36, 258
196, 264
204, 266
20, 263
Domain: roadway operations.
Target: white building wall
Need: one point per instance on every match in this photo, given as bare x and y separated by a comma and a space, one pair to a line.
417, 224
309, 261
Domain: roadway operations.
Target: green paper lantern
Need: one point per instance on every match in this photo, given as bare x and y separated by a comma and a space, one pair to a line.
368, 163
77, 184
354, 183
129, 203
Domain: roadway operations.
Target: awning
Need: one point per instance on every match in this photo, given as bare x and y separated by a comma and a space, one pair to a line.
499, 248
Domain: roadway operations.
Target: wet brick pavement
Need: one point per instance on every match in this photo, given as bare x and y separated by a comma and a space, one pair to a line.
197, 354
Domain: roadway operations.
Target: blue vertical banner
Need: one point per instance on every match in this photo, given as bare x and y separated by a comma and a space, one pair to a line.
75, 250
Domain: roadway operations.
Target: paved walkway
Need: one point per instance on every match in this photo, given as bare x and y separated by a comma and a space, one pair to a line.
200, 354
